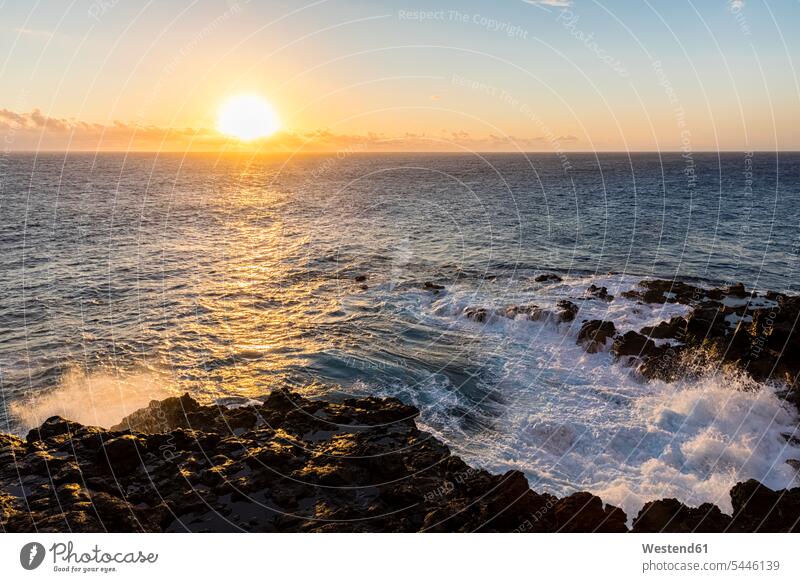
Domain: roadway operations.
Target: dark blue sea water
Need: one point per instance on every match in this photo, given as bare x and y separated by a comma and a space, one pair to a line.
127, 277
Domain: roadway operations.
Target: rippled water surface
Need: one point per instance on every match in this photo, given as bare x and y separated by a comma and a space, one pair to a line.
129, 277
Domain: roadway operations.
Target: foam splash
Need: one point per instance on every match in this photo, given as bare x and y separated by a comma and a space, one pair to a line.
99, 398
705, 436
575, 421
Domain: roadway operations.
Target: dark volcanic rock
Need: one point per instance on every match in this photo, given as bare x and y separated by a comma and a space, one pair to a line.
706, 321
479, 314
292, 464
532, 312
599, 293
774, 340
672, 516
756, 508
289, 464
728, 326
567, 310
736, 290
121, 453
53, 427
759, 508
664, 291
547, 277
584, 512
763, 340
675, 328
160, 415
633, 344
792, 395
593, 334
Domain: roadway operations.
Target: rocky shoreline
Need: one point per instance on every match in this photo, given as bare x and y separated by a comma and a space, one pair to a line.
291, 464
298, 465
729, 327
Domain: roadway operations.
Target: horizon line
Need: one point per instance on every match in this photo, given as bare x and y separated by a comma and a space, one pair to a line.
359, 153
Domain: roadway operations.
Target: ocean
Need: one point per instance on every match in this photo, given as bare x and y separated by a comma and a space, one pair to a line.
131, 277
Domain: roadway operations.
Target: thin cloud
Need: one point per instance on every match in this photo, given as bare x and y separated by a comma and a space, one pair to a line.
33, 32
552, 3
37, 130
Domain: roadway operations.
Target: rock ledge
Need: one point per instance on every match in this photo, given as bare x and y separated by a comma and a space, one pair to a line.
298, 465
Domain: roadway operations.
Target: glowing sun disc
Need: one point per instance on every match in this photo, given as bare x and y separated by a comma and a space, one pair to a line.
247, 117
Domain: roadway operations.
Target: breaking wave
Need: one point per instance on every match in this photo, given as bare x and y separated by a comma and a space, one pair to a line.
572, 420
99, 398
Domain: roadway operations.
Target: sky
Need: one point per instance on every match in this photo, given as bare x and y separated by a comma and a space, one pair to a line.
347, 75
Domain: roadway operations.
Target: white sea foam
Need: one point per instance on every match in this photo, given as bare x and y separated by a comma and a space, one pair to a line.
751, 302
576, 421
101, 398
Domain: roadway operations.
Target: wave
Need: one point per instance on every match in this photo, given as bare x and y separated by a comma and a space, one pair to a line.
572, 420
97, 398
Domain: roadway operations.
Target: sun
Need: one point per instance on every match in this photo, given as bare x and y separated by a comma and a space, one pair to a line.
247, 117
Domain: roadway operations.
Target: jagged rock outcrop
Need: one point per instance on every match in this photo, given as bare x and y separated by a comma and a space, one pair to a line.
289, 464
666, 291
756, 508
479, 314
567, 310
672, 516
292, 464
666, 329
596, 292
732, 326
633, 344
759, 508
545, 277
593, 334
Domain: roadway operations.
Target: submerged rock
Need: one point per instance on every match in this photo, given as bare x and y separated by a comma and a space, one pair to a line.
543, 278
532, 312
665, 291
567, 310
431, 286
599, 293
479, 314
